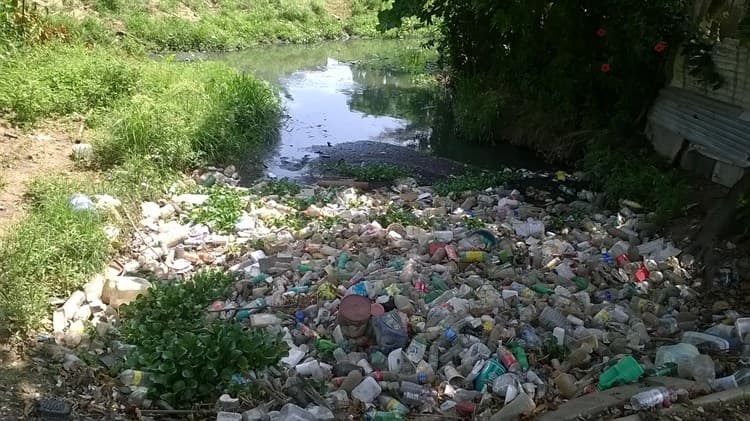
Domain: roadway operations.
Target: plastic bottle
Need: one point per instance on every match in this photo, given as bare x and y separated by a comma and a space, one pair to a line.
474, 256
434, 357
520, 355
667, 369
625, 371
507, 359
679, 353
652, 398
700, 338
531, 340
135, 378
264, 320
740, 378
367, 391
384, 416
552, 318
416, 349
390, 404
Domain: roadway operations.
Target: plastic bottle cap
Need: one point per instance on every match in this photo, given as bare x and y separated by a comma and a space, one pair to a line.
421, 378
450, 334
299, 315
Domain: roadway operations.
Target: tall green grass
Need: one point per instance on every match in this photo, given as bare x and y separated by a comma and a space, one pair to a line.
50, 252
39, 82
149, 119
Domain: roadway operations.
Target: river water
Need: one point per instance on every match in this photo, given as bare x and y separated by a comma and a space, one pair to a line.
333, 94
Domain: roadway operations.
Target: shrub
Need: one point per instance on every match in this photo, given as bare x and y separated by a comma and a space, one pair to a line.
192, 359
627, 172
221, 211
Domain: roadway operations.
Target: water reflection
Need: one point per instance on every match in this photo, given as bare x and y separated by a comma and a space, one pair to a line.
331, 96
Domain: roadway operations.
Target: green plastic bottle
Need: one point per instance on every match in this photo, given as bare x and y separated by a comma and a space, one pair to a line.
542, 289
520, 355
384, 416
626, 370
342, 261
325, 347
581, 283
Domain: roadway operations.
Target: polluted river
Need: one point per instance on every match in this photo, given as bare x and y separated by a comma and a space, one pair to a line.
469, 299
339, 106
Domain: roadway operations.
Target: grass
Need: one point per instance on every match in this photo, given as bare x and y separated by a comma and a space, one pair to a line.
371, 172
42, 83
149, 120
51, 252
188, 114
199, 25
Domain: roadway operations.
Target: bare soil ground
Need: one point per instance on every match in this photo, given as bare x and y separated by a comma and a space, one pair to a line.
27, 155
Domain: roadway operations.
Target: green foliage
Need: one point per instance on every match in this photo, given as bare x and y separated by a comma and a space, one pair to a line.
221, 211
283, 187
192, 358
626, 172
472, 181
187, 114
294, 220
172, 306
371, 171
473, 223
51, 252
585, 65
59, 80
400, 215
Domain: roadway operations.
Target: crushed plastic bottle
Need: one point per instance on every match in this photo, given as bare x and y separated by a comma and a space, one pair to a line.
660, 396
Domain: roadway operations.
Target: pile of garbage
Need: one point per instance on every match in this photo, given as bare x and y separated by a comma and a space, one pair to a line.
509, 304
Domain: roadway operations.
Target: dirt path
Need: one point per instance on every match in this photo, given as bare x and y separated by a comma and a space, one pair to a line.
25, 156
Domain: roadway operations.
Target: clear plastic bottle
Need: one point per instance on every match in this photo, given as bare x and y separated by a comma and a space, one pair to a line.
531, 340
434, 357
652, 398
390, 404
416, 349
135, 378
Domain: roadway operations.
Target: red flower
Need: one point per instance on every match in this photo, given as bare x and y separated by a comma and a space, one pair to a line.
601, 32
660, 47
605, 68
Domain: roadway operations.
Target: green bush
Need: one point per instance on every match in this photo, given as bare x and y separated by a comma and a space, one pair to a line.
627, 172
187, 114
472, 181
59, 80
192, 358
51, 252
221, 211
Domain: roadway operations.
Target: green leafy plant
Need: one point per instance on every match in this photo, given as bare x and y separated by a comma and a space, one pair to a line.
372, 172
400, 215
191, 357
472, 181
221, 211
283, 187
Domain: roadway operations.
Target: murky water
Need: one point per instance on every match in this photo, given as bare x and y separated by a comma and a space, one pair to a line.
332, 96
